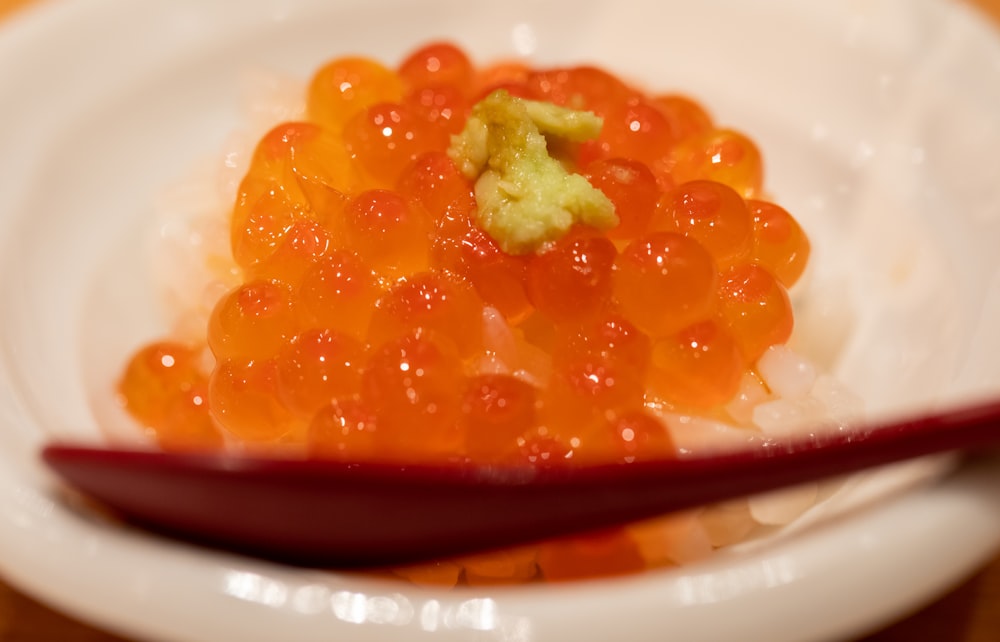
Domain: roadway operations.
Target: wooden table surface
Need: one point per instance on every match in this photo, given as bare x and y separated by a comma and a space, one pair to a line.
969, 613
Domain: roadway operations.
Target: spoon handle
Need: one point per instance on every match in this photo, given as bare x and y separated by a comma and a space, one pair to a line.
367, 513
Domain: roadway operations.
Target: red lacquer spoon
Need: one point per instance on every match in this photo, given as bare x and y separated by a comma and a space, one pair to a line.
340, 514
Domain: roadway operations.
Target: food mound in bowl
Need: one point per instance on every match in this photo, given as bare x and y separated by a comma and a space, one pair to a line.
500, 265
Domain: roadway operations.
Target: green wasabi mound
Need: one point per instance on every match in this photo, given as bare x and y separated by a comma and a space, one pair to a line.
526, 198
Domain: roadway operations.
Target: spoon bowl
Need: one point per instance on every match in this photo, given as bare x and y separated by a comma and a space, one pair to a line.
363, 514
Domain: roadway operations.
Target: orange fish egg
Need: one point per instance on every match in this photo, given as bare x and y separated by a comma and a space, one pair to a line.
346, 86
664, 281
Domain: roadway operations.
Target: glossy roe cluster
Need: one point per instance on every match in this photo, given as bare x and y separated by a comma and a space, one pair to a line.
377, 320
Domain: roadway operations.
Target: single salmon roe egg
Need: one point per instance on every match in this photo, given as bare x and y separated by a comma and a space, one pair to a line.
259, 227
460, 246
304, 243
386, 137
439, 574
571, 280
347, 86
664, 281
635, 129
698, 367
497, 410
343, 429
756, 308
633, 190
779, 244
639, 436
686, 117
187, 425
507, 566
724, 156
252, 322
609, 336
583, 87
443, 107
509, 75
438, 63
243, 400
155, 375
393, 234
431, 301
633, 435
338, 292
306, 160
541, 335
411, 384
610, 552
316, 366
714, 215
434, 181
584, 391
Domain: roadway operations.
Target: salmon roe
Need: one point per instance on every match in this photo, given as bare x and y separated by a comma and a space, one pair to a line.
377, 319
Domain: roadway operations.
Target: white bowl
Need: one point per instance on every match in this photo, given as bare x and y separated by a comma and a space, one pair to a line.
878, 123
